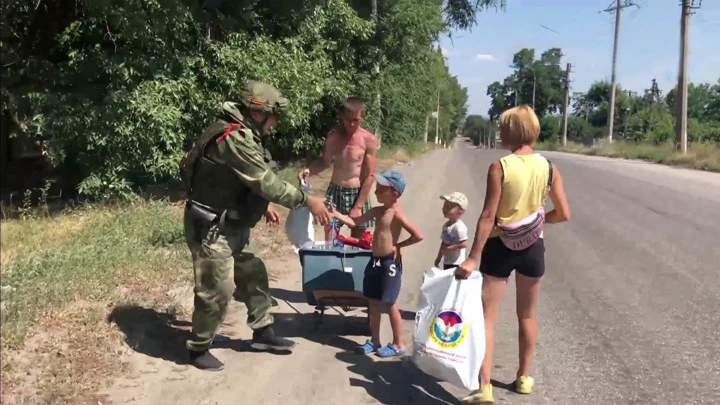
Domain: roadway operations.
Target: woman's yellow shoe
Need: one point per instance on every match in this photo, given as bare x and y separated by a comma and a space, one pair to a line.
524, 384
482, 396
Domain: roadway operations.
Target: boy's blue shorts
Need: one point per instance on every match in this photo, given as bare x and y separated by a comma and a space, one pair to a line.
382, 279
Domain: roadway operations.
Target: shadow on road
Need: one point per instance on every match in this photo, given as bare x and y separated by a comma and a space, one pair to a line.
294, 297
392, 382
503, 386
152, 333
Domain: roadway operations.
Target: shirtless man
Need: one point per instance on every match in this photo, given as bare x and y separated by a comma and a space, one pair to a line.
351, 150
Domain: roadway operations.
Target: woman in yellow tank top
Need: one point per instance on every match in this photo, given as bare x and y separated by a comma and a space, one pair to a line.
509, 236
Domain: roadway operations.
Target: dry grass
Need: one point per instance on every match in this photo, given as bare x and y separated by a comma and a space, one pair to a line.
700, 156
62, 275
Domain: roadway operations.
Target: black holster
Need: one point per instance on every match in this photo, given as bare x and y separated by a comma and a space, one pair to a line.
203, 212
208, 221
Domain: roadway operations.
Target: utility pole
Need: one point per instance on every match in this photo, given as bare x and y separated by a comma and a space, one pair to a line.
682, 90
427, 127
374, 15
587, 111
437, 119
534, 81
565, 106
627, 112
617, 9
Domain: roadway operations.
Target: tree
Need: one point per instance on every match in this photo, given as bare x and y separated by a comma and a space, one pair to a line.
120, 99
596, 102
462, 14
475, 127
700, 99
544, 74
647, 118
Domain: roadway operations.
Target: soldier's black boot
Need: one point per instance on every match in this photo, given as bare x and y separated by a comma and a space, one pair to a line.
265, 339
205, 361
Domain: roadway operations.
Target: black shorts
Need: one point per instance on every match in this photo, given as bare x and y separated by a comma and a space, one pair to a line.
382, 279
498, 260
449, 266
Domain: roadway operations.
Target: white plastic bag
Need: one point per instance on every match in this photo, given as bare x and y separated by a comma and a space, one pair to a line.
449, 335
299, 225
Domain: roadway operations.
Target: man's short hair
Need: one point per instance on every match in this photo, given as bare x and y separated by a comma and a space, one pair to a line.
519, 126
352, 104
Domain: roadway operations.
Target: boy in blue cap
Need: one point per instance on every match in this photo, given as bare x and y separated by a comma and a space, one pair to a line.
381, 285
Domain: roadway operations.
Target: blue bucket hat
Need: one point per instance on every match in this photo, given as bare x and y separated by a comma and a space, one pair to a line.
393, 179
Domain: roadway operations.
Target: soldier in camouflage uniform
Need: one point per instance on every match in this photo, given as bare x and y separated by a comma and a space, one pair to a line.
230, 185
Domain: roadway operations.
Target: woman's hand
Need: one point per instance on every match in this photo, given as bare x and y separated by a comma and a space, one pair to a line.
466, 268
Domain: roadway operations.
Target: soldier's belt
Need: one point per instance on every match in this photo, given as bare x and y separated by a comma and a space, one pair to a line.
209, 214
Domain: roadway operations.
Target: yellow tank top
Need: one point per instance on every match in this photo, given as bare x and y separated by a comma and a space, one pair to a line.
525, 178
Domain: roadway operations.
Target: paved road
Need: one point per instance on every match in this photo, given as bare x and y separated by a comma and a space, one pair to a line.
628, 311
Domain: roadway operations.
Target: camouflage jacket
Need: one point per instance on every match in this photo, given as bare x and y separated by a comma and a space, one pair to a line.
228, 169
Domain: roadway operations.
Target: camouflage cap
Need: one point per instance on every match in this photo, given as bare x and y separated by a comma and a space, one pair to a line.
256, 95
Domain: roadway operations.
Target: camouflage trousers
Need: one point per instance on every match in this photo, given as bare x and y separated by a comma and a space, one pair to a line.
223, 260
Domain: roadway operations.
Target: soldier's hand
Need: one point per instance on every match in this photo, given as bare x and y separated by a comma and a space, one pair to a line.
317, 208
271, 216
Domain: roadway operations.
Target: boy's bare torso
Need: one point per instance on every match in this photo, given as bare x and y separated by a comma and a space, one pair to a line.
387, 230
348, 154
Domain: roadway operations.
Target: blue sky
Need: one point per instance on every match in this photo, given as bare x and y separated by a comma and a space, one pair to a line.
649, 43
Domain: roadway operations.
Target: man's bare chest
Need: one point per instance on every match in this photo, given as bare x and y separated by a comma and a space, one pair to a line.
350, 152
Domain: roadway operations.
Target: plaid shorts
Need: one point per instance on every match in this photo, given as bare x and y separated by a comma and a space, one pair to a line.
344, 199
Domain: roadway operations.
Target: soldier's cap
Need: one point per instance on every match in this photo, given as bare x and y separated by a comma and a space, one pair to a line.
456, 198
392, 179
257, 95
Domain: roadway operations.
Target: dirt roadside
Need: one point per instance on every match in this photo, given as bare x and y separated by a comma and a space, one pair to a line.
125, 337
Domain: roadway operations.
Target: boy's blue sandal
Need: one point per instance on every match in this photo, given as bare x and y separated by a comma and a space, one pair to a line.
389, 351
367, 347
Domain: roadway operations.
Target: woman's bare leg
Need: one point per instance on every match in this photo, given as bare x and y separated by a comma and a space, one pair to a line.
492, 292
528, 290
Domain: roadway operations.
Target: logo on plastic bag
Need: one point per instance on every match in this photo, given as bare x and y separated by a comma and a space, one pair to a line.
448, 330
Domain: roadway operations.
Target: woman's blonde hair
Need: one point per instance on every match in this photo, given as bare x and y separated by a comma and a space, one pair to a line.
519, 126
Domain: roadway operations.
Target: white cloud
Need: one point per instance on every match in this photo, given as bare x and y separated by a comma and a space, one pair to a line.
485, 57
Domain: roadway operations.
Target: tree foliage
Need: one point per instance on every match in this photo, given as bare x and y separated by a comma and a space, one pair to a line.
544, 74
647, 117
121, 87
477, 128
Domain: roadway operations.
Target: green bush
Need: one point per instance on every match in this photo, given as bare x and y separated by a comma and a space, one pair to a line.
549, 125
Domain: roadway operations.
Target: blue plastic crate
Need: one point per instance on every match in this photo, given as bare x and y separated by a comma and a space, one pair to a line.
326, 267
